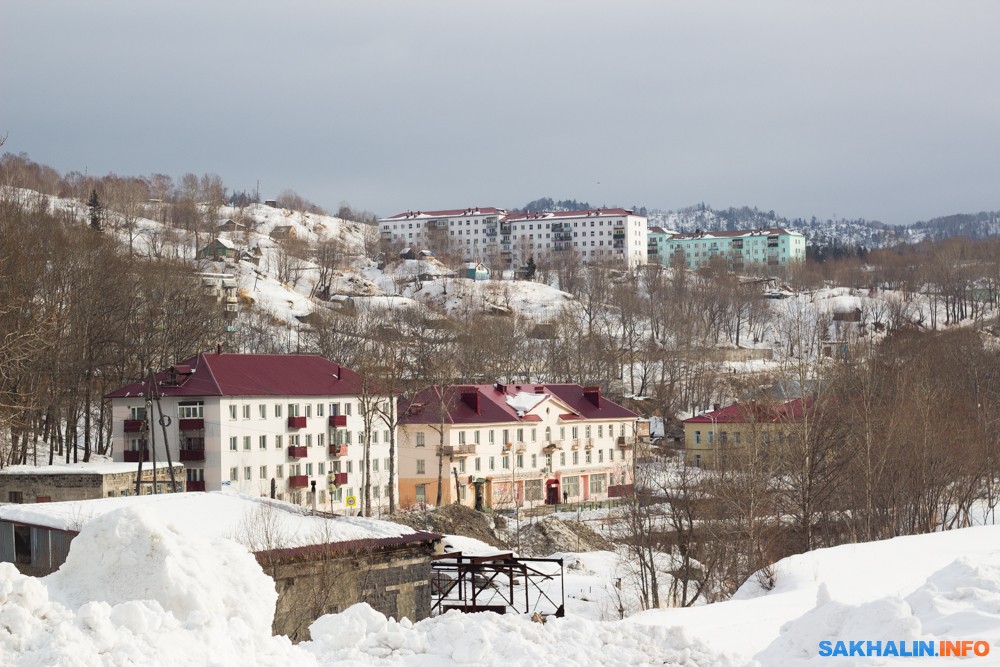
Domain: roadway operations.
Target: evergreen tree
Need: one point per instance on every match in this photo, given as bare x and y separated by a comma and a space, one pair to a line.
529, 269
96, 211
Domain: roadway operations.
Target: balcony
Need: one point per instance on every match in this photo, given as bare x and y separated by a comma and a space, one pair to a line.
195, 486
297, 422
520, 447
191, 424
338, 450
298, 452
192, 455
588, 443
298, 481
133, 425
459, 451
575, 445
133, 456
338, 478
626, 442
338, 420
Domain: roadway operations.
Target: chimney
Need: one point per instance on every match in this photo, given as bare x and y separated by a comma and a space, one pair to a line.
593, 394
218, 348
471, 398
715, 407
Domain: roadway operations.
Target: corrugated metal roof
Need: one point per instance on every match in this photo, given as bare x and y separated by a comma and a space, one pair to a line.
224, 374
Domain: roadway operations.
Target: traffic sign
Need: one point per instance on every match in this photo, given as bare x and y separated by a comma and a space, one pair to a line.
351, 501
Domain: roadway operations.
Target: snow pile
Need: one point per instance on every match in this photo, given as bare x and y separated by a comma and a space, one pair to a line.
155, 560
941, 586
362, 636
136, 590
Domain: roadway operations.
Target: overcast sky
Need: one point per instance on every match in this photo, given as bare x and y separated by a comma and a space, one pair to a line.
888, 110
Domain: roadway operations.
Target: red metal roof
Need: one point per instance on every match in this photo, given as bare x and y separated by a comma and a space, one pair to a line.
747, 413
591, 213
487, 403
737, 234
455, 212
223, 374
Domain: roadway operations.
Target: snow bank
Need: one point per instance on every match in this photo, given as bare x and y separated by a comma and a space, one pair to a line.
136, 590
928, 587
362, 636
129, 555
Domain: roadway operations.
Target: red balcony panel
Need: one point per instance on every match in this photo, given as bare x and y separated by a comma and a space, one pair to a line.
133, 457
298, 452
192, 455
296, 422
338, 450
133, 425
191, 424
195, 486
338, 420
339, 478
298, 481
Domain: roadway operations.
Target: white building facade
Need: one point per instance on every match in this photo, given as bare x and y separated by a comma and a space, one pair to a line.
613, 235
253, 422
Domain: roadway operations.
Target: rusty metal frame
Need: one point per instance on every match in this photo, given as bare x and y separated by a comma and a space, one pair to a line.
474, 583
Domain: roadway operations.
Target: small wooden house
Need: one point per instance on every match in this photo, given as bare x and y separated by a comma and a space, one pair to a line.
218, 248
283, 232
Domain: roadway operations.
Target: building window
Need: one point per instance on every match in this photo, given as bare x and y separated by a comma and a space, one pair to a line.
246, 443
263, 442
493, 463
505, 462
277, 410
319, 439
263, 472
520, 460
232, 444
279, 471
309, 440
309, 469
262, 411
232, 412
697, 437
190, 410
478, 465
421, 468
309, 409
576, 458
319, 409
461, 437
293, 409
246, 411
321, 468
246, 473
278, 441
562, 459
234, 474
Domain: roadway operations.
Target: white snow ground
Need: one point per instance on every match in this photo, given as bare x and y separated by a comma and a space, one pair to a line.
139, 588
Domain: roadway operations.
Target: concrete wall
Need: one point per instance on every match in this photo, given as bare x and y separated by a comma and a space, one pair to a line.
394, 580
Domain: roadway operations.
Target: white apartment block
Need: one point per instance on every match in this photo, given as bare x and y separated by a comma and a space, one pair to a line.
246, 422
492, 235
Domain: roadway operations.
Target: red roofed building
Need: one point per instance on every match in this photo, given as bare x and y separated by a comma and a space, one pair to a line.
241, 421
515, 445
708, 436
